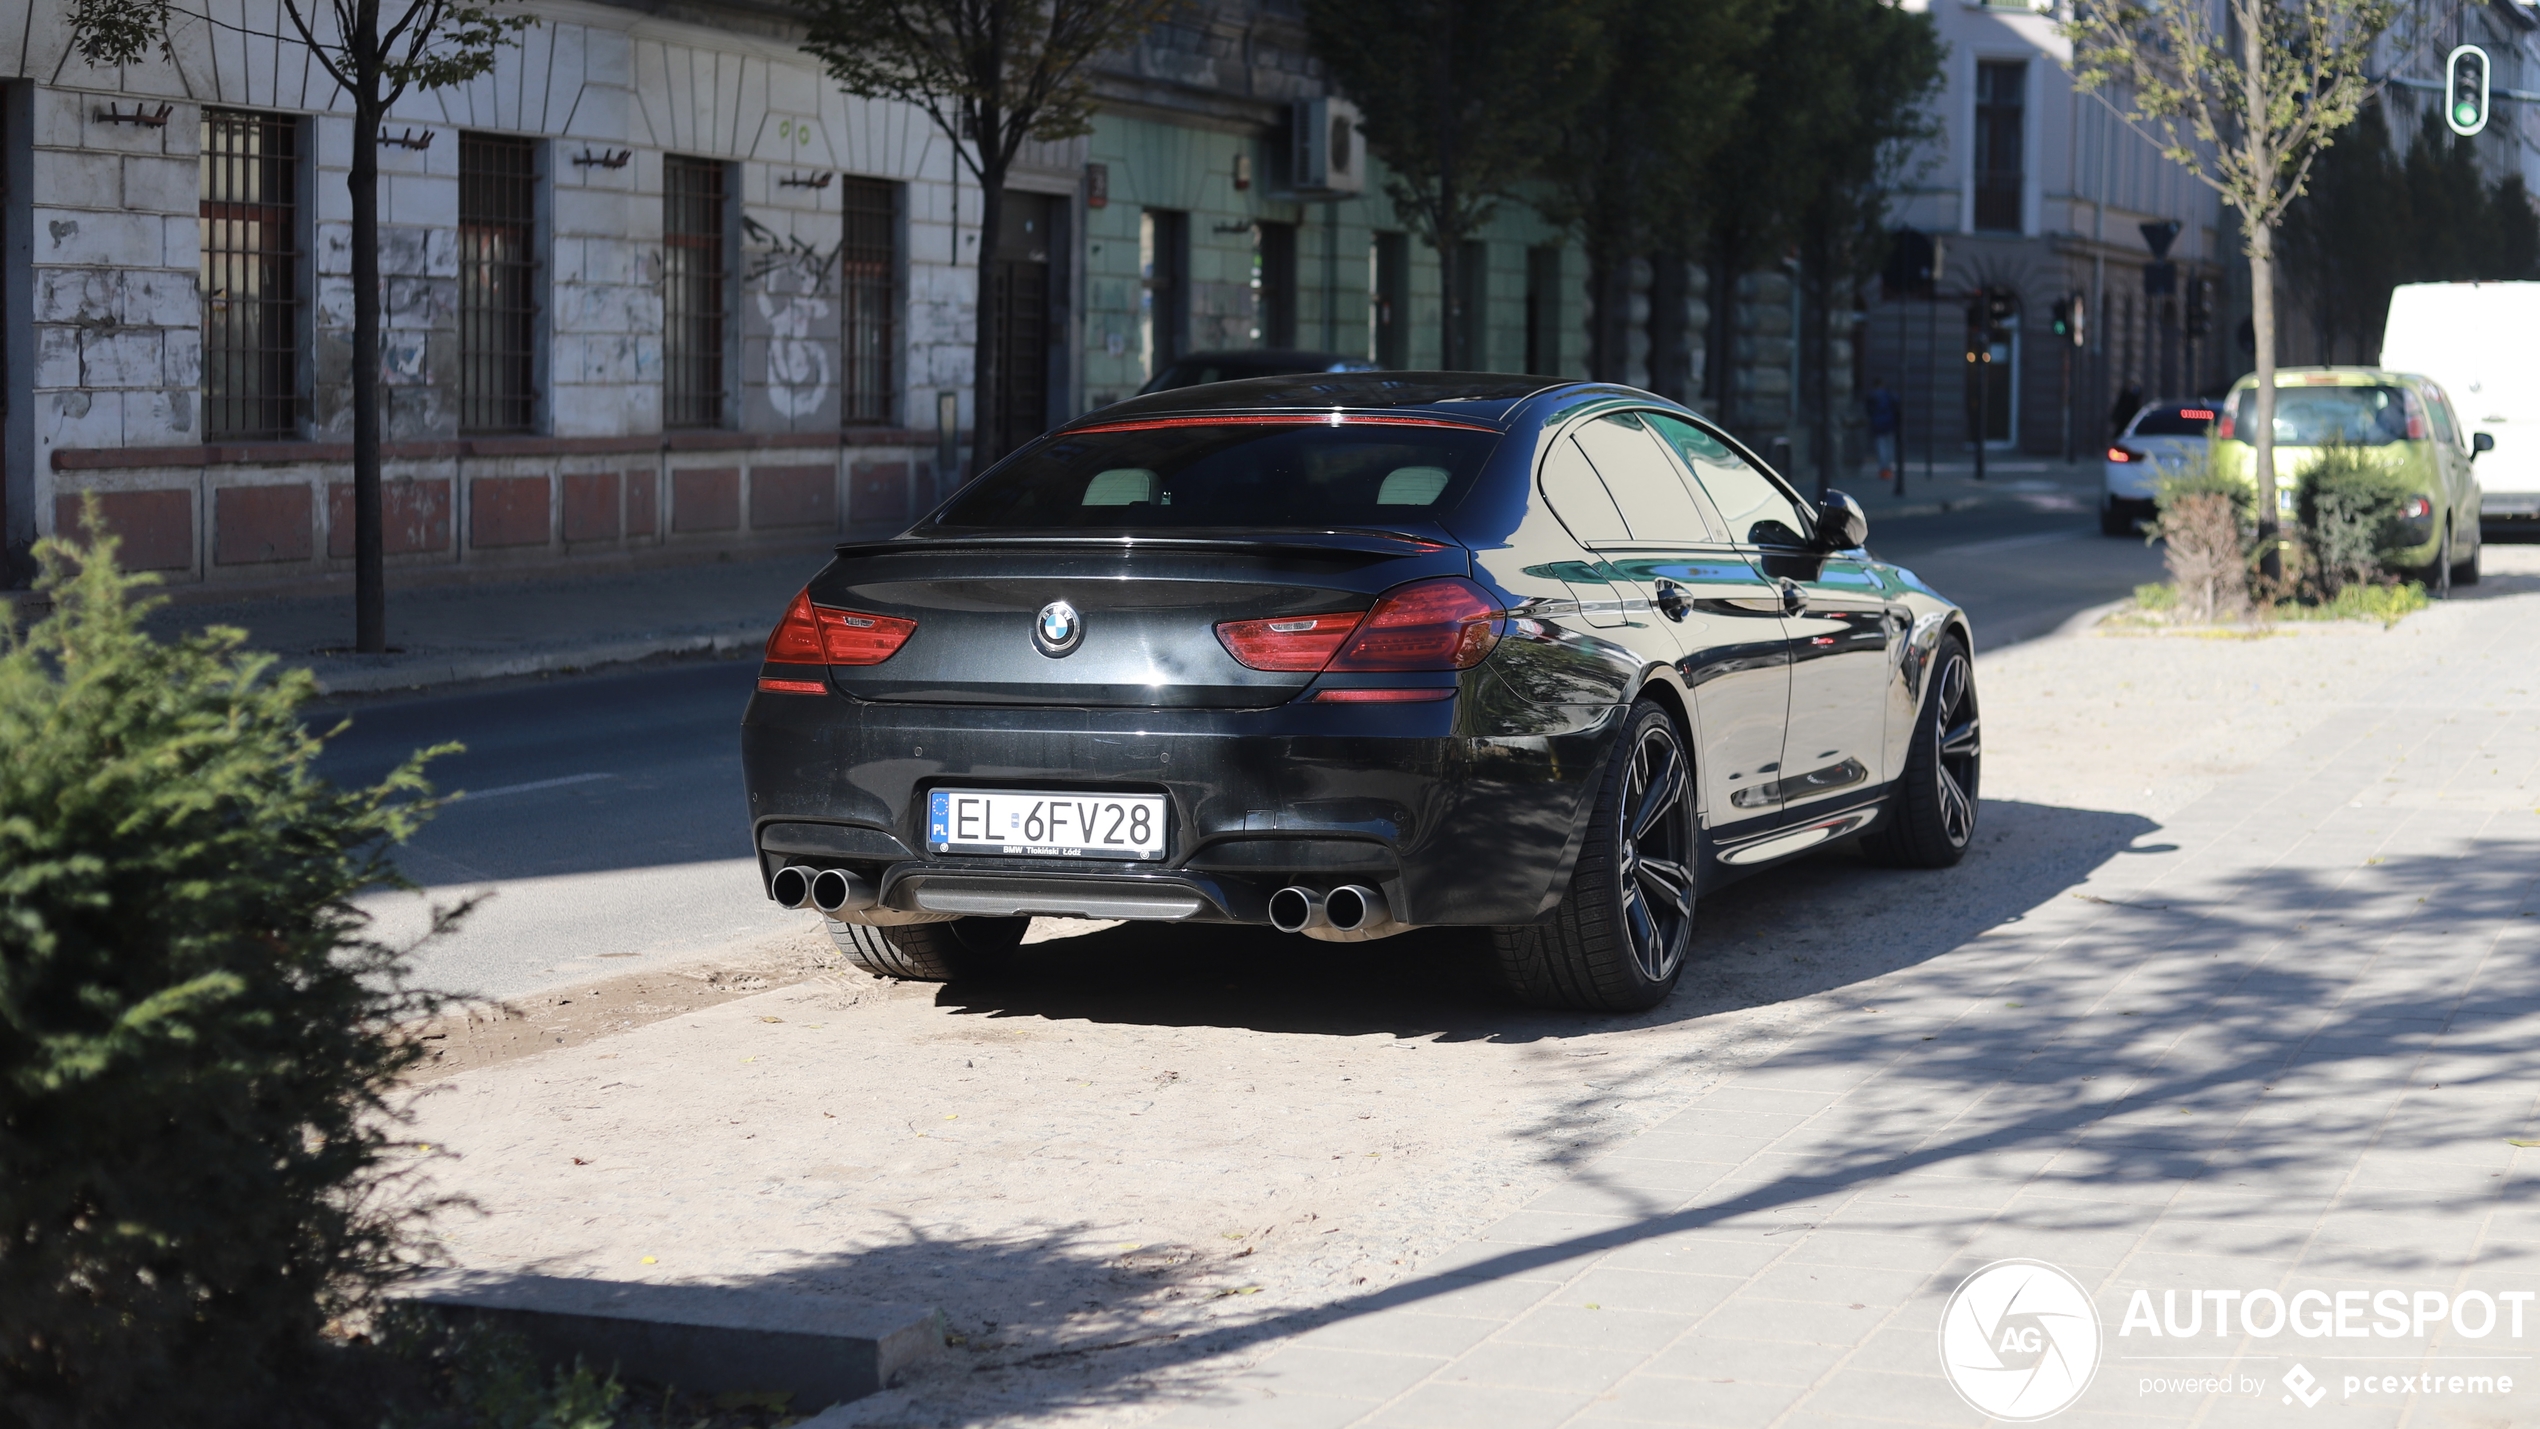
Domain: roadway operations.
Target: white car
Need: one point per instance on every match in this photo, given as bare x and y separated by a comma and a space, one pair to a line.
2163, 438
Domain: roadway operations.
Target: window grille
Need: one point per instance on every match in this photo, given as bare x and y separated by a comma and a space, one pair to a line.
250, 220
498, 269
693, 282
868, 265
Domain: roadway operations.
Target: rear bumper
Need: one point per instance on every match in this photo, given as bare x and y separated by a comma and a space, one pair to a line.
1454, 827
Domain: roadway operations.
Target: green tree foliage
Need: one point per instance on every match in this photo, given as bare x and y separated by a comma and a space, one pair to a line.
1461, 99
197, 1051
1664, 84
1884, 66
2370, 219
2245, 101
1838, 84
991, 74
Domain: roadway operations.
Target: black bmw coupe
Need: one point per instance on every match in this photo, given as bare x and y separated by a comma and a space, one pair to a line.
1348, 654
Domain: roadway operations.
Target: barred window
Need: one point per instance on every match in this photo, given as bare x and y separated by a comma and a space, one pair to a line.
498, 270
693, 281
868, 263
250, 217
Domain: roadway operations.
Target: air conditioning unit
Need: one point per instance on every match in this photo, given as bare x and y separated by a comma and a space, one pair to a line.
1327, 156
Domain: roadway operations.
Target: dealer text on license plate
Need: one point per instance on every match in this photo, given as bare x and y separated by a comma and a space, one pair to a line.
1042, 825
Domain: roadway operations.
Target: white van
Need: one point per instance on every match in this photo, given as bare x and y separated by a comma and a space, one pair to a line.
2480, 342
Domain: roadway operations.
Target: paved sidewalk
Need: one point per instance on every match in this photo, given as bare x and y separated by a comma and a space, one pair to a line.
2290, 1043
445, 634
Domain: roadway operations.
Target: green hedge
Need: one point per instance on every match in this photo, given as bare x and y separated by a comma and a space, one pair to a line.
198, 1146
2350, 506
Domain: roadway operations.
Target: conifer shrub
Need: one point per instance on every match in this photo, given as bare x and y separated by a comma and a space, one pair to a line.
199, 1154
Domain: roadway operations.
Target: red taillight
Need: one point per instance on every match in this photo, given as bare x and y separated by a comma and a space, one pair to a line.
2416, 427
1444, 624
1382, 697
2417, 509
2194, 414
1287, 642
2119, 454
793, 687
2222, 429
817, 635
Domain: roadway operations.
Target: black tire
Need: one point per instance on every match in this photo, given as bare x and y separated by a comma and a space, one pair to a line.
2466, 572
932, 952
1617, 943
1931, 817
2438, 576
2115, 520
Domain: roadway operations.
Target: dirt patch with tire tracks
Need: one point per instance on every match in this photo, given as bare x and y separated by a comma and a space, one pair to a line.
1148, 1152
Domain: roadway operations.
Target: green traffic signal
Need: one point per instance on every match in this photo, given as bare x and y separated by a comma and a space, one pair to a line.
2465, 78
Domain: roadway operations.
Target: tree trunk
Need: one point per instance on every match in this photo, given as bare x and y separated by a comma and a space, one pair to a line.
1609, 307
987, 436
1724, 317
2254, 122
2262, 439
1818, 353
370, 575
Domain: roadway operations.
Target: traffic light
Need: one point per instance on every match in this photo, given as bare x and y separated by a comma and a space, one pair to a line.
2077, 319
2465, 80
2060, 317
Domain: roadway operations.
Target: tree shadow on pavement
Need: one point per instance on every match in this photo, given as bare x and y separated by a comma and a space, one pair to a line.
2211, 1062
1789, 932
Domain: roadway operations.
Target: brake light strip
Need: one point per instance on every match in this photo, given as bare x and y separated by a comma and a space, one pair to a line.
1300, 419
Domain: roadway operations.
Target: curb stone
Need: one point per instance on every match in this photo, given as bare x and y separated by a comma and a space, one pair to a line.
708, 1338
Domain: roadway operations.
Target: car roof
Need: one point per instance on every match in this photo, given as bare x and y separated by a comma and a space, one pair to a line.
2328, 377
1467, 396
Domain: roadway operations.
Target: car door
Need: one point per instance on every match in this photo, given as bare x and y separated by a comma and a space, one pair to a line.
1724, 616
1836, 619
2458, 475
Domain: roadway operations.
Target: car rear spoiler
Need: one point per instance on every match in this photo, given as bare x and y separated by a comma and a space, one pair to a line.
1363, 542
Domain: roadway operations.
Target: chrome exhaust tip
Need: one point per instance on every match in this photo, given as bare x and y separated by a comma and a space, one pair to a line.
835, 891
791, 887
1298, 910
1357, 911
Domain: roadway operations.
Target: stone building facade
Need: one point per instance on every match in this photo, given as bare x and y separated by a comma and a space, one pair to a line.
652, 285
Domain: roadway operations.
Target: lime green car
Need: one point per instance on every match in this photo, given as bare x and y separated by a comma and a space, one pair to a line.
2404, 419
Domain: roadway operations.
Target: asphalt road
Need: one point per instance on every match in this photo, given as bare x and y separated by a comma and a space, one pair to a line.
602, 824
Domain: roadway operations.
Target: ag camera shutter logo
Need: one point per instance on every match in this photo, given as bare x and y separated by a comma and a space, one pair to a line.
2019, 1340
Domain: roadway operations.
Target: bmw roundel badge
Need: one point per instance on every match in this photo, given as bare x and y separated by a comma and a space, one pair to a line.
1057, 629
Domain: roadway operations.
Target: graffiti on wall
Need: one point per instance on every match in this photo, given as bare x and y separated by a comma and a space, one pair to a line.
789, 280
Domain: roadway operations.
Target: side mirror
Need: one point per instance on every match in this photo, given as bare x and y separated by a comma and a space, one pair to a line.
1840, 524
2480, 442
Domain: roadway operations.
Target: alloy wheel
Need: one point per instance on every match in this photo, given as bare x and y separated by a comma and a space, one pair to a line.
1654, 853
1957, 731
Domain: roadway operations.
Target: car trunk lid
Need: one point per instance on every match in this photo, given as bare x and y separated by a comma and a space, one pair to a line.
1145, 609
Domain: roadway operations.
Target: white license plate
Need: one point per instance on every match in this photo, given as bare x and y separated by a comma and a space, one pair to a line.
1039, 825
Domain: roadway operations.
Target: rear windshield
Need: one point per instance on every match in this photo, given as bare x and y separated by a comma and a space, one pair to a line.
2175, 421
1314, 474
2317, 416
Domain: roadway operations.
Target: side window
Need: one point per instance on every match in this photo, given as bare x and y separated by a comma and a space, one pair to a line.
1644, 483
2439, 407
1578, 498
1758, 511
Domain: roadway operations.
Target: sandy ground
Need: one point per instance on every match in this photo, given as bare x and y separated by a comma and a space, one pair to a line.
1151, 1152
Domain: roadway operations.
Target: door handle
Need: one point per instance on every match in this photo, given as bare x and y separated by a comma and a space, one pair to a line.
1794, 599
1671, 601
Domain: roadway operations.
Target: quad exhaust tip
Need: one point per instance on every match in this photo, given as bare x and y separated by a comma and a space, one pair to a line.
791, 887
1351, 913
831, 891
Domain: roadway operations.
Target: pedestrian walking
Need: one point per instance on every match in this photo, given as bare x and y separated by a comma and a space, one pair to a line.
1886, 421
